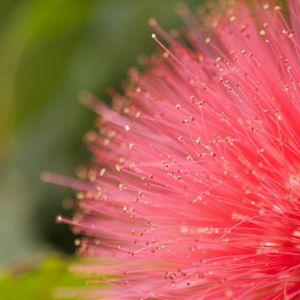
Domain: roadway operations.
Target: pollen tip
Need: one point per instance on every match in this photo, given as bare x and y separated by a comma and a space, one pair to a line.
45, 176
58, 219
152, 22
181, 9
85, 97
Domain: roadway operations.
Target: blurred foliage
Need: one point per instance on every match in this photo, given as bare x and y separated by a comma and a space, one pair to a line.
46, 281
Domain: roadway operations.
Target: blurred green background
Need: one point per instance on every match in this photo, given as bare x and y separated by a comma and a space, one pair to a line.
50, 50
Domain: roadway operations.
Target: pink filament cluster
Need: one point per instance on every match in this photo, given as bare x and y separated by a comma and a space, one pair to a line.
194, 191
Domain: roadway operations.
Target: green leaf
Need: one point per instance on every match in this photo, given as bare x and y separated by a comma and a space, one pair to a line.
43, 282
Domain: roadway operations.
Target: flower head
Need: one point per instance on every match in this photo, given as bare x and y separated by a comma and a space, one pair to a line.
194, 190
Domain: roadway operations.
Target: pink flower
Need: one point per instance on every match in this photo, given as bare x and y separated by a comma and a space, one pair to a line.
194, 190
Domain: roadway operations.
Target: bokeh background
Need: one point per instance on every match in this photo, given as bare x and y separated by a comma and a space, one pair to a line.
51, 50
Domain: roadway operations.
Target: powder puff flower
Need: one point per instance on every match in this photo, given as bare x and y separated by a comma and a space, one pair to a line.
194, 188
